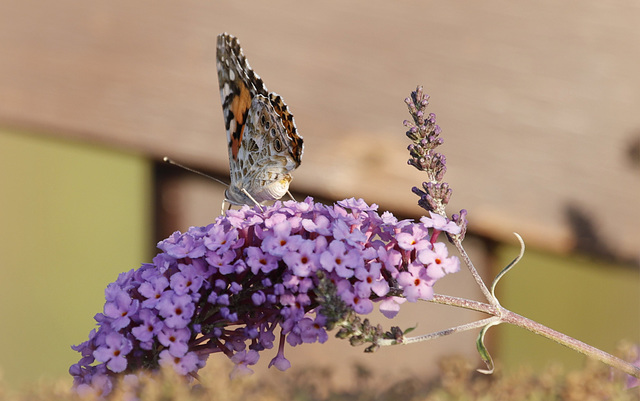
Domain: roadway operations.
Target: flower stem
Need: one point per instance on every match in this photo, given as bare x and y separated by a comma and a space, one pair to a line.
570, 342
506, 316
467, 261
442, 333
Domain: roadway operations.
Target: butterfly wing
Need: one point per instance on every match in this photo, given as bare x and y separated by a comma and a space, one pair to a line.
264, 146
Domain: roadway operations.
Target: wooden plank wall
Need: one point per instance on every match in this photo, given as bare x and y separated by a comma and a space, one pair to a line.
538, 102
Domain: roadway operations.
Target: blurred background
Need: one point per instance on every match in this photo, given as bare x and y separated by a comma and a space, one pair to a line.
538, 104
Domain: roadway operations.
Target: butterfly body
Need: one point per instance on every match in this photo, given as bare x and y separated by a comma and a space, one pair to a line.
264, 146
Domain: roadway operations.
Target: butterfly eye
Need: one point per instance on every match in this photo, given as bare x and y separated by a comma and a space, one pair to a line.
277, 145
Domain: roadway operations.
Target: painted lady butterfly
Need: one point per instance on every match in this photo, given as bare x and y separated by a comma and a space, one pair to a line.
264, 146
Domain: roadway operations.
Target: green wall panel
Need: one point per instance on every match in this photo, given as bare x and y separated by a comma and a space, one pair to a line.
72, 216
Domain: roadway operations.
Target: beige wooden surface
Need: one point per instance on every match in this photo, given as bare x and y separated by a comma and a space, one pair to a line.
538, 102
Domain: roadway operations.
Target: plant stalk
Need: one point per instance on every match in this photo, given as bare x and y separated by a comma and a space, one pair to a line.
506, 316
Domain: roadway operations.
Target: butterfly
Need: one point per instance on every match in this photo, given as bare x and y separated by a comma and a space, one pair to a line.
264, 144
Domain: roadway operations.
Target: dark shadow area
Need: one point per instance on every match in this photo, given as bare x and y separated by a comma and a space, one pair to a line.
588, 241
633, 152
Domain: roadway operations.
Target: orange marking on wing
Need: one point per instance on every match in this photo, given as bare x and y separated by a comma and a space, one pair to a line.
239, 107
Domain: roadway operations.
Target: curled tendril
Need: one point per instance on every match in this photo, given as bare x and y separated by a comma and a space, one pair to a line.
482, 348
508, 267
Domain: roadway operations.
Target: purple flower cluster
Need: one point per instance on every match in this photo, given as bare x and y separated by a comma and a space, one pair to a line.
226, 287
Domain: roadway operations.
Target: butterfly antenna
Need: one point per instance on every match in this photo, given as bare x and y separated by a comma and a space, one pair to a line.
167, 160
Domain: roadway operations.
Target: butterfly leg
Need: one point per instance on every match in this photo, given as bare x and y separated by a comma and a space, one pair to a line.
251, 197
222, 207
